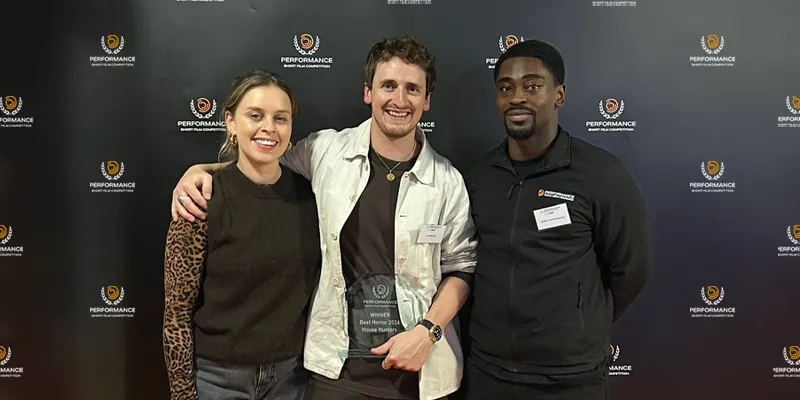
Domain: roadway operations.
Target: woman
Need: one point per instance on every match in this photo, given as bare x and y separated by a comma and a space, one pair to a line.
237, 285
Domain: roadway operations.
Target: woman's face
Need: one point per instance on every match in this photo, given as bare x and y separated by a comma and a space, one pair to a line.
262, 124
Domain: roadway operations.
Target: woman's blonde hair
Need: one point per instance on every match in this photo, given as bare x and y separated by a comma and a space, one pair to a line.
241, 85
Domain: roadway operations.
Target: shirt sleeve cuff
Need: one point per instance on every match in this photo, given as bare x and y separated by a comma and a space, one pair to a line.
464, 276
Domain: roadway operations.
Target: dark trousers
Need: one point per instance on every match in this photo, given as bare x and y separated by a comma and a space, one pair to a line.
479, 385
318, 390
284, 380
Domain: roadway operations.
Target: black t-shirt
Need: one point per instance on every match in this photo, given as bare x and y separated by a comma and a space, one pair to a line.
367, 243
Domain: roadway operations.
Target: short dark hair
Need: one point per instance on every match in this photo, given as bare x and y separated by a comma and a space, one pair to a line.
550, 56
409, 49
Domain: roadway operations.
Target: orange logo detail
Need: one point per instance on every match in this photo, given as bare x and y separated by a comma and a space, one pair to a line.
112, 292
510, 40
112, 41
712, 41
712, 292
203, 105
10, 102
306, 41
612, 105
113, 167
713, 167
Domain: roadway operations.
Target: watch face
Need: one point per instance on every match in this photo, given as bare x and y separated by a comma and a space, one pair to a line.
436, 332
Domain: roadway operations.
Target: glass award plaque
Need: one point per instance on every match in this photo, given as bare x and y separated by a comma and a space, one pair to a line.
373, 314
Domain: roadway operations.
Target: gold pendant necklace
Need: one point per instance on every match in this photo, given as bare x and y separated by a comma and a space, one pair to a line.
390, 176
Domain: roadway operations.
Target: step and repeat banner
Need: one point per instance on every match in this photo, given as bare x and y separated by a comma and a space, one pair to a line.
106, 103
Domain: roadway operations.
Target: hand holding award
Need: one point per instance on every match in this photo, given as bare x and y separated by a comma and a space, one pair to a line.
407, 350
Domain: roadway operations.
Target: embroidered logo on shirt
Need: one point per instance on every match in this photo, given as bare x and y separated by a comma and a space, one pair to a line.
556, 195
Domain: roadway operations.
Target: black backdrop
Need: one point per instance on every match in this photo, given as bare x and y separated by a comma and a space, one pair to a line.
714, 148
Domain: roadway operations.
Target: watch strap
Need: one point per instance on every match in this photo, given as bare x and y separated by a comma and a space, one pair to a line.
430, 326
427, 324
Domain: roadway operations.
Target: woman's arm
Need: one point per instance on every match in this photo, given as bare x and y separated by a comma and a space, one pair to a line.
183, 264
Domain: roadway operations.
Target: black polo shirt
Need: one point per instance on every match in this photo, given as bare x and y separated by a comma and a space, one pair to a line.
564, 250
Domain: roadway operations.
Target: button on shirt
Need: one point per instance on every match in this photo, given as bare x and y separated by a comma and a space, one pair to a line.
432, 192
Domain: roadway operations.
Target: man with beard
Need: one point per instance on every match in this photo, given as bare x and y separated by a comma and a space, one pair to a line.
564, 247
398, 242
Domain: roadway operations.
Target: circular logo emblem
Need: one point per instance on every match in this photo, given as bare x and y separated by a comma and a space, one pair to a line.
713, 292
713, 41
510, 40
612, 105
203, 105
713, 167
10, 102
112, 41
113, 167
306, 41
112, 292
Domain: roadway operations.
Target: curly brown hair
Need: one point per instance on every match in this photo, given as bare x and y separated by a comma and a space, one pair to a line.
409, 49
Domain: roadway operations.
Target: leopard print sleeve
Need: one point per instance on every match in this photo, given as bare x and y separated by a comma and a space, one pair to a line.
184, 258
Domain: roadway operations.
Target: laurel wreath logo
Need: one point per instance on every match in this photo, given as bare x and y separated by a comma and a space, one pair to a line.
711, 168
788, 233
793, 354
5, 234
380, 291
203, 104
113, 294
508, 41
712, 44
793, 105
602, 107
615, 352
5, 354
715, 302
112, 166
113, 43
14, 105
305, 38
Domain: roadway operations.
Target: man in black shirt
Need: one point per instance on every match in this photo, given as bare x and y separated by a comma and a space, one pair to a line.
367, 241
564, 246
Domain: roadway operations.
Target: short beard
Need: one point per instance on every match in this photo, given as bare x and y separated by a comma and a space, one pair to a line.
520, 134
394, 132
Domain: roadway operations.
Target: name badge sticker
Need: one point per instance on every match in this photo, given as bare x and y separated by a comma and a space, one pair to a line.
431, 234
552, 217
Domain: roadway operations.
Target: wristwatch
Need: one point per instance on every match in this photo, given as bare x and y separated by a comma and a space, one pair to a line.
434, 331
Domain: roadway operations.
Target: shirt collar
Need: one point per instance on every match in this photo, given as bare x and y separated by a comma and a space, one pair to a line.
559, 154
422, 170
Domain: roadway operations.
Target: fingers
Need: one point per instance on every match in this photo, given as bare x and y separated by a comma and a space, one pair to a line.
384, 348
172, 209
190, 207
393, 361
206, 182
195, 200
180, 207
388, 362
192, 199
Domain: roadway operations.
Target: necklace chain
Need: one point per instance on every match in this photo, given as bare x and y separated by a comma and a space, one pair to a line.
390, 175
